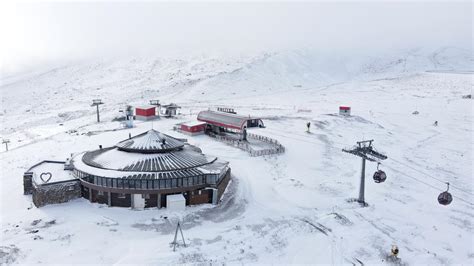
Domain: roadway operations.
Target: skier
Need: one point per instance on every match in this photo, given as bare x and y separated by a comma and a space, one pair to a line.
393, 257
394, 251
435, 123
308, 125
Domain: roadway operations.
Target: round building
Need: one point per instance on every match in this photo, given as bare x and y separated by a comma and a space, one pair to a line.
150, 170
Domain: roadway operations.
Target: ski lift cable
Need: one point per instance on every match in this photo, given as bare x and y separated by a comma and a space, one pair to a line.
406, 165
427, 184
437, 179
403, 174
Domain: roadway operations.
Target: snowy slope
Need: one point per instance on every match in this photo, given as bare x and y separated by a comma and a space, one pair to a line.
284, 209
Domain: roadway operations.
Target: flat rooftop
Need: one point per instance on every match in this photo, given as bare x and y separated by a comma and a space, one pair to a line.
56, 169
145, 107
193, 123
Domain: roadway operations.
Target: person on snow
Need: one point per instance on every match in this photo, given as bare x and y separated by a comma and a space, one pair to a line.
308, 125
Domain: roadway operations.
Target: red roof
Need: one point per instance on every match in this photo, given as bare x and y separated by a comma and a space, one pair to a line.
344, 108
222, 119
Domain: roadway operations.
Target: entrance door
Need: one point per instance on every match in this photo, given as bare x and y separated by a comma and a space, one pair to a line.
138, 201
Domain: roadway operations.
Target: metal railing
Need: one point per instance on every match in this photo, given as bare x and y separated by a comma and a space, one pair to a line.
275, 148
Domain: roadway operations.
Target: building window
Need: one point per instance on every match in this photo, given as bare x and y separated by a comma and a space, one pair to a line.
121, 196
146, 196
100, 193
71, 188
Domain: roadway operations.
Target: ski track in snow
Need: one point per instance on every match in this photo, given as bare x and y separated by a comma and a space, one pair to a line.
290, 208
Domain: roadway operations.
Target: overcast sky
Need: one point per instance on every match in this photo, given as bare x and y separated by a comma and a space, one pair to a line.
33, 33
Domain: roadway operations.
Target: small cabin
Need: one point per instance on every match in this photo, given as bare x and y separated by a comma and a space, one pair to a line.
193, 128
145, 113
344, 110
170, 110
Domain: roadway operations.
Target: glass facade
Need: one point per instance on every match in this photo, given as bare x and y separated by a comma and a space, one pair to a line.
163, 183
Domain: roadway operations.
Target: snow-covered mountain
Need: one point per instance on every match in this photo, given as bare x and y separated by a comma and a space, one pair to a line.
290, 208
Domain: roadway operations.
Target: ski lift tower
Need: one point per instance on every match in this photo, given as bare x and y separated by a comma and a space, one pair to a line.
365, 150
157, 104
96, 103
6, 141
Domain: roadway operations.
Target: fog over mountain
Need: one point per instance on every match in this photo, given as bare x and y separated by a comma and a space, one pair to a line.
59, 32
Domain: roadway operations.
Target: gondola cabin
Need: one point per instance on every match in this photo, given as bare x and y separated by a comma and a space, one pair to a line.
344, 110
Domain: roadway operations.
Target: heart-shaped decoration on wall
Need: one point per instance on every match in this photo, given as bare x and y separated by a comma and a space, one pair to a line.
46, 175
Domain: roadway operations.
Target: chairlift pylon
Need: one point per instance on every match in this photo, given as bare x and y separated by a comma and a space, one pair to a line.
379, 175
445, 198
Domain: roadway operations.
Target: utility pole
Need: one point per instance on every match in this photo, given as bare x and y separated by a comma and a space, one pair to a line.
96, 103
365, 150
6, 141
175, 241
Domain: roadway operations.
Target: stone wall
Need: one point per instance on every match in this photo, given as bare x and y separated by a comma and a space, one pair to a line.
56, 192
223, 184
27, 183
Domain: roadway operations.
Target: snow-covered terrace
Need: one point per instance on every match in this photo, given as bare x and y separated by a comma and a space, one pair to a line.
53, 171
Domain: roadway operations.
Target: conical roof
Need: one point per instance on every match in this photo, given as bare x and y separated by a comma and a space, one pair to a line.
146, 156
151, 141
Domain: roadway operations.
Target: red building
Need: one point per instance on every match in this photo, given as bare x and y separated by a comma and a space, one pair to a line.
222, 121
145, 112
193, 128
344, 110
